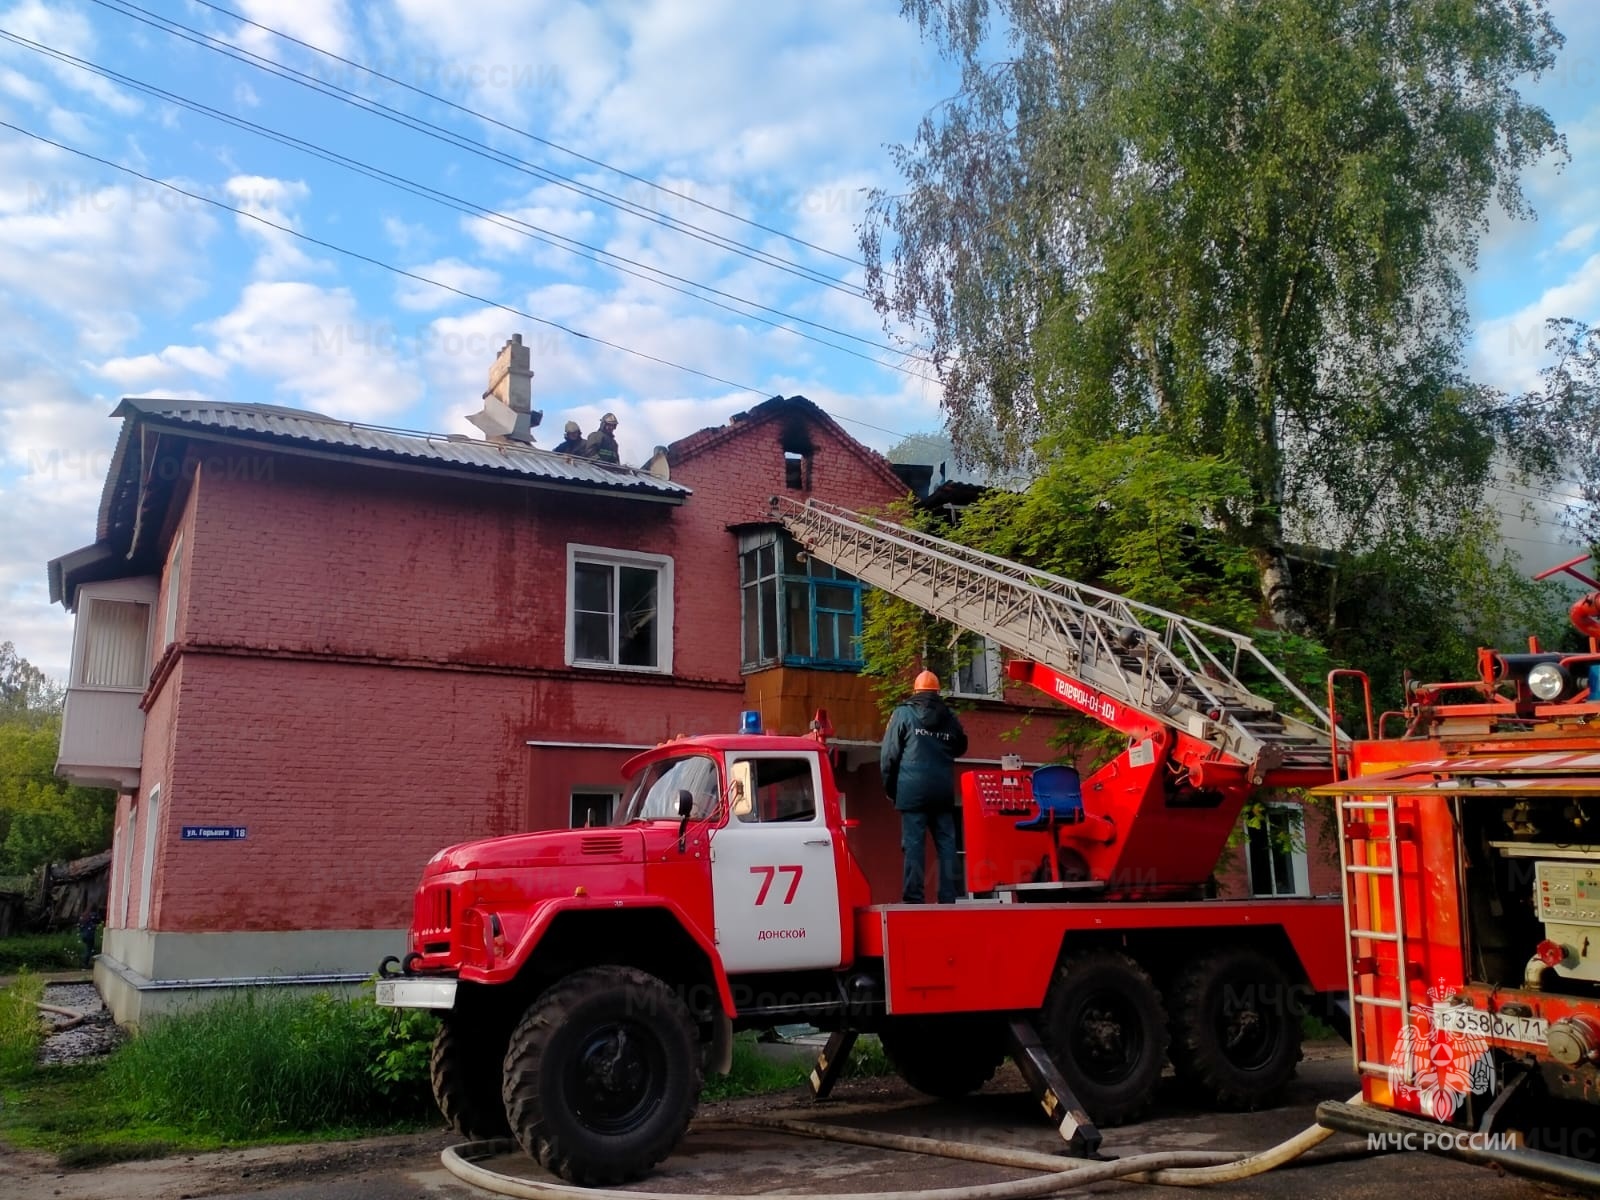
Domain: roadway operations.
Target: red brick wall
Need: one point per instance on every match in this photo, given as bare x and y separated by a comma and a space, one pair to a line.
1322, 862
367, 653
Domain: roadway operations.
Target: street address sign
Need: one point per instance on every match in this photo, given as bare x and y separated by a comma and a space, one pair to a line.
215, 833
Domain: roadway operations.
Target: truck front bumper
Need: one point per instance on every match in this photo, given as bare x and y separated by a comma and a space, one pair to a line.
416, 993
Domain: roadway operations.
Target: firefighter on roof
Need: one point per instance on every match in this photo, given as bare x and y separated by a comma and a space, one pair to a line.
573, 444
602, 443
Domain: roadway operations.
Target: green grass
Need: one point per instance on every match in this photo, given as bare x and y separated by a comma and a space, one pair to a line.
21, 1029
253, 1064
755, 1074
40, 952
249, 1069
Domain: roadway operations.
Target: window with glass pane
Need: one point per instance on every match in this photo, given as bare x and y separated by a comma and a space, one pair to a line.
977, 671
1275, 852
114, 638
796, 608
617, 611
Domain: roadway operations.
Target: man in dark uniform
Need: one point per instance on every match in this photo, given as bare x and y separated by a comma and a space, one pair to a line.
602, 443
920, 748
574, 440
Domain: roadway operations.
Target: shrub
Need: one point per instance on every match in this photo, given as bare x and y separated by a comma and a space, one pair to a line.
40, 952
252, 1064
21, 1029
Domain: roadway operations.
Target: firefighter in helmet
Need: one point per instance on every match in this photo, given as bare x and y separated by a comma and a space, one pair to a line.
602, 443
573, 444
920, 749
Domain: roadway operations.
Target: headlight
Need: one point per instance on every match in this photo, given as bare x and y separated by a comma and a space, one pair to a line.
1548, 681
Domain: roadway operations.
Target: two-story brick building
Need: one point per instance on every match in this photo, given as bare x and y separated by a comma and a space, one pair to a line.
310, 653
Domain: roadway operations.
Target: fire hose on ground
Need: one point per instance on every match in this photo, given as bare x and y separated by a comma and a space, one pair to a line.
1179, 1168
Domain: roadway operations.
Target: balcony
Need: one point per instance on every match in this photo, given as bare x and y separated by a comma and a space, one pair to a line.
102, 725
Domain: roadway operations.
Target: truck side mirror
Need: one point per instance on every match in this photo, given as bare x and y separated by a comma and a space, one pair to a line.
685, 807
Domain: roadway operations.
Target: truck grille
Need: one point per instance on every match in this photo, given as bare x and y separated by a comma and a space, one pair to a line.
439, 911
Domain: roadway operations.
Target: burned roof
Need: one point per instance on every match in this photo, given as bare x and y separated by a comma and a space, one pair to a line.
785, 410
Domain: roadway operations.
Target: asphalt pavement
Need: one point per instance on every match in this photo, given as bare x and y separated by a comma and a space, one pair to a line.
740, 1162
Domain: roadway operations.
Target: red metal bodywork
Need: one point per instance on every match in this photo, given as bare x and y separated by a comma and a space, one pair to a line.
989, 957
1404, 810
1157, 816
483, 907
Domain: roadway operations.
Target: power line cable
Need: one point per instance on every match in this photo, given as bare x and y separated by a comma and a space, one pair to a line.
372, 261
413, 275
529, 134
494, 216
472, 146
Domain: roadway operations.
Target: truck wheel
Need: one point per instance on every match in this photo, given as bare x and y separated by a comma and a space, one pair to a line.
944, 1058
602, 1075
1235, 1032
1106, 1029
465, 1070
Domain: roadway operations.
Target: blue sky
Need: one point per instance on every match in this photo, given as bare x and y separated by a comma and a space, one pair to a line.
112, 285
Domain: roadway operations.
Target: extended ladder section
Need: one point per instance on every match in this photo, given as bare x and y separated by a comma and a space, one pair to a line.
1181, 672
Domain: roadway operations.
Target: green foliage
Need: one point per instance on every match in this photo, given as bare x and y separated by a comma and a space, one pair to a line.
60, 951
42, 818
757, 1074
251, 1065
1239, 227
25, 691
21, 1029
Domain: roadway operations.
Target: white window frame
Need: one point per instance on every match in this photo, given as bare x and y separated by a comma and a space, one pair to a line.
662, 564
991, 654
174, 586
574, 793
1300, 876
152, 818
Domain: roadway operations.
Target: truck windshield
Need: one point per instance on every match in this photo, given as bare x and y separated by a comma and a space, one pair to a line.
655, 792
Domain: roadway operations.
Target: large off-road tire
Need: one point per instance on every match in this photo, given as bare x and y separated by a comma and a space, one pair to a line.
945, 1057
1106, 1029
602, 1075
1235, 1028
465, 1067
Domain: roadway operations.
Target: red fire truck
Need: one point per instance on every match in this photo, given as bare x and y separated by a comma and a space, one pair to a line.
587, 978
1471, 852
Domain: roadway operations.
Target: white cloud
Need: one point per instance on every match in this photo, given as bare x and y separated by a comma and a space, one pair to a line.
99, 256
325, 24
174, 364
453, 273
68, 30
1508, 351
271, 200
319, 350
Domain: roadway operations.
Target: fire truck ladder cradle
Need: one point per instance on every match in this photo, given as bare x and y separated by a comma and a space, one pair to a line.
1357, 877
1182, 672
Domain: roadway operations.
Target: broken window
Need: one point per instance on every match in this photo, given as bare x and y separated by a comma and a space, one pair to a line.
796, 609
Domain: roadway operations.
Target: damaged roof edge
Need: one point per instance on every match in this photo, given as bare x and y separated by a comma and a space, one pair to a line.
309, 434
454, 454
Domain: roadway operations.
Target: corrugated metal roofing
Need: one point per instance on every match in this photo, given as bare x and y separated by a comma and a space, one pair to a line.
271, 423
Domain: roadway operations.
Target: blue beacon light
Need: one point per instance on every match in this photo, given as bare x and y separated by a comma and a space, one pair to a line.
750, 721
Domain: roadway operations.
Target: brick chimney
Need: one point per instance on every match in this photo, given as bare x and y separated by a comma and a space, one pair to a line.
508, 414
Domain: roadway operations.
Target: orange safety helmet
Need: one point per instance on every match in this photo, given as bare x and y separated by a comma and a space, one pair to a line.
926, 682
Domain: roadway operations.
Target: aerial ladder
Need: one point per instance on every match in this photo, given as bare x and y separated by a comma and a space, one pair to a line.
1201, 741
